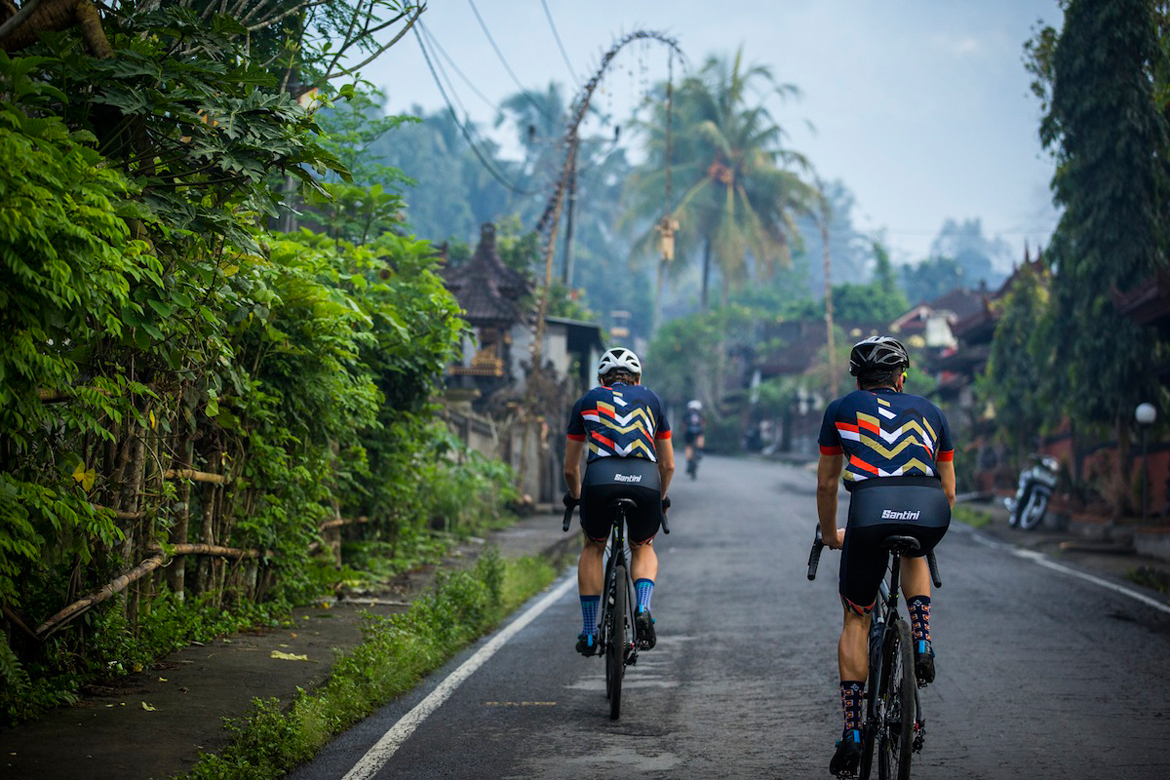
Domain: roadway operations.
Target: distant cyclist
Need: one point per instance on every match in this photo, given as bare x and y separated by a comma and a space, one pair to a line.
630, 456
693, 436
898, 462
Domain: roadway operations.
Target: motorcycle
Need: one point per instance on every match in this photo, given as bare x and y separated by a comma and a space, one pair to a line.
1037, 481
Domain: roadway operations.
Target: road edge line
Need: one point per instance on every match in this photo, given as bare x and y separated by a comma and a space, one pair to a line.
389, 743
1044, 560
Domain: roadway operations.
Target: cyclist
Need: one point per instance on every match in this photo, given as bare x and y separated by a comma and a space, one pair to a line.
895, 452
630, 456
693, 435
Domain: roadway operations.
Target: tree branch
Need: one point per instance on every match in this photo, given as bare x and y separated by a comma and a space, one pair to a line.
378, 53
25, 12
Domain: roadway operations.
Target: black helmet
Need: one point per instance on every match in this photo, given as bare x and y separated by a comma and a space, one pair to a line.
880, 352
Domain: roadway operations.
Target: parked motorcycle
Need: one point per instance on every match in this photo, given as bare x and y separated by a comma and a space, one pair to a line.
1037, 481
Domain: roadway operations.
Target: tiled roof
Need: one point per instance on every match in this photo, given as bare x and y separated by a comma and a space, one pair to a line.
489, 291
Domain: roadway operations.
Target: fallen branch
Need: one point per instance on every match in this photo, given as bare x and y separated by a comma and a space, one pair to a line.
210, 549
138, 572
15, 618
342, 521
196, 476
117, 586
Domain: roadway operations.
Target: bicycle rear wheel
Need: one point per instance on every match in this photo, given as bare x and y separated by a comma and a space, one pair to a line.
895, 737
615, 649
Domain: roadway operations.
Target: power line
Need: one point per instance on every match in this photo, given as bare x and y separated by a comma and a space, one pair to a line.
556, 36
495, 174
524, 91
434, 42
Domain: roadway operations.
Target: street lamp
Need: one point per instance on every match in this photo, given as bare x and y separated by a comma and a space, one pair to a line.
1145, 414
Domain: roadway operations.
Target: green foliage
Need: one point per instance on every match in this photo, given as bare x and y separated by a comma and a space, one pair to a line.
1110, 139
1020, 378
739, 195
150, 322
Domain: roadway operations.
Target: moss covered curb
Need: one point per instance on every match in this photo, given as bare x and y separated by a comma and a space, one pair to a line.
395, 653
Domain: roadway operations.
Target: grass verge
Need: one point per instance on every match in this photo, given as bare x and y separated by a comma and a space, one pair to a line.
1150, 578
395, 653
975, 518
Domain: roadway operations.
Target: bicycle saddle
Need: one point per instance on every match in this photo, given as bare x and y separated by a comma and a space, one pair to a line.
900, 544
623, 503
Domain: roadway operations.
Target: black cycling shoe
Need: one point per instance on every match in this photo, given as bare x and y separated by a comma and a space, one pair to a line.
587, 644
644, 624
848, 755
923, 662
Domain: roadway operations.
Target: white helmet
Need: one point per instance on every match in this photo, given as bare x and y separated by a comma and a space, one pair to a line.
696, 405
619, 359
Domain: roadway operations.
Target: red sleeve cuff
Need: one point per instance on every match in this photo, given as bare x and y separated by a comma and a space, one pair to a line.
576, 436
945, 456
662, 435
831, 450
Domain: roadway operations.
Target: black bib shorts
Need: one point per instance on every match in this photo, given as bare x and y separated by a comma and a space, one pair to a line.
632, 478
887, 506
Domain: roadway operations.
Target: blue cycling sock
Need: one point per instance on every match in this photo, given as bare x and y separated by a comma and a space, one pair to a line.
644, 588
589, 606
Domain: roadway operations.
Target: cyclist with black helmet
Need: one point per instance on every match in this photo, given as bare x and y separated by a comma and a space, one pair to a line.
630, 456
895, 454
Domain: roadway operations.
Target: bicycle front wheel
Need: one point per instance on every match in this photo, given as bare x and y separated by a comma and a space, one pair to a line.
896, 705
615, 650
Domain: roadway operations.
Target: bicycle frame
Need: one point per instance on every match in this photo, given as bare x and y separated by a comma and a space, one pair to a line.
617, 553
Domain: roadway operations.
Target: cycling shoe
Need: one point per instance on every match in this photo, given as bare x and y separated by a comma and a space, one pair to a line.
644, 624
848, 755
924, 662
587, 644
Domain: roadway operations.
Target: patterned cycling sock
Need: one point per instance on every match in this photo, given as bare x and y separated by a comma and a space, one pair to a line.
589, 606
919, 608
852, 696
644, 589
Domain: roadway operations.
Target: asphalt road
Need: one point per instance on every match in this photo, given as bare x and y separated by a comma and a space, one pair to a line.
1041, 674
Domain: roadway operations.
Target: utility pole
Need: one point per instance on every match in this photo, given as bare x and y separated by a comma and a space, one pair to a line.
567, 268
826, 258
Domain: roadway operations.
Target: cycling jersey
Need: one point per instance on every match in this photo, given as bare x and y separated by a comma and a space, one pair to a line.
622, 421
884, 433
693, 420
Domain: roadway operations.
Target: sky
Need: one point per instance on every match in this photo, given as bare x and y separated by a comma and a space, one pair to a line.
921, 107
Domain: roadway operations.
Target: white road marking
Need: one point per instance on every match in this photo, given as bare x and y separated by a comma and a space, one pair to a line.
377, 756
1043, 560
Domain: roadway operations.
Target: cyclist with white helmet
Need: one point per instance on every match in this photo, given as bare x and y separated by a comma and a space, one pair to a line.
630, 456
693, 436
894, 451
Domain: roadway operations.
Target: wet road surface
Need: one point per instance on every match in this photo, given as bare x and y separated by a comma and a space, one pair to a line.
1040, 674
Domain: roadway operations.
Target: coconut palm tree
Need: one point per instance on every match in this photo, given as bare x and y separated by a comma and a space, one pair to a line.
740, 191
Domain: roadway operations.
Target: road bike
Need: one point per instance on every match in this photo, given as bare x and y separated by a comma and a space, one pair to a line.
616, 629
893, 713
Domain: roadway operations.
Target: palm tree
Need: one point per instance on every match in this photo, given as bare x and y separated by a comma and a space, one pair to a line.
739, 195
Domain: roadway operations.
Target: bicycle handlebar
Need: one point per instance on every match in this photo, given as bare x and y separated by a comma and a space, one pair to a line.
814, 558
814, 555
933, 564
568, 518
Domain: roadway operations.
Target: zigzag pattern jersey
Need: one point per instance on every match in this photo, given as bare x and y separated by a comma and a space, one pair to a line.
884, 433
621, 421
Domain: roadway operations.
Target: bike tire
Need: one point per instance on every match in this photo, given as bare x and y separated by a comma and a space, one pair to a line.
615, 650
1033, 514
895, 737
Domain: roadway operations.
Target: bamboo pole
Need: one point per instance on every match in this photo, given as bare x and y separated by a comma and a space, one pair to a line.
197, 476
211, 549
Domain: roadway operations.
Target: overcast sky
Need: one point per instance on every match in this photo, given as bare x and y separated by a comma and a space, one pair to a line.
921, 107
